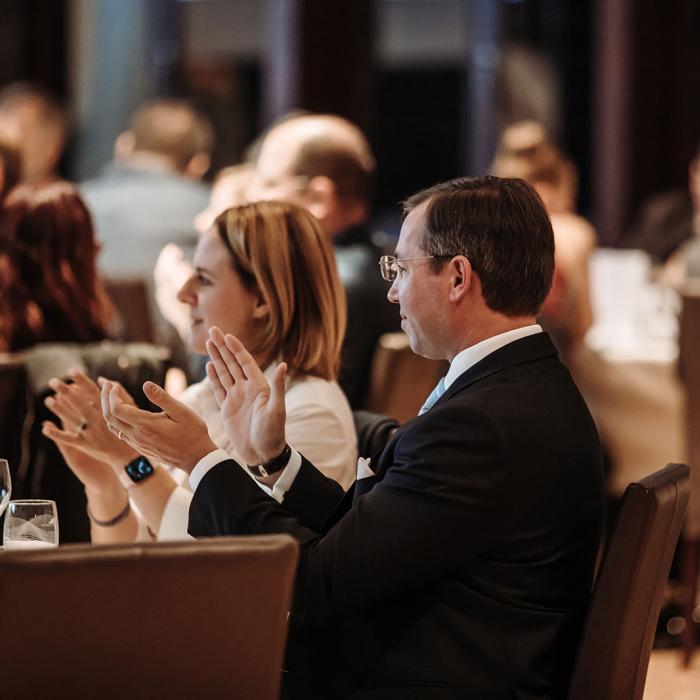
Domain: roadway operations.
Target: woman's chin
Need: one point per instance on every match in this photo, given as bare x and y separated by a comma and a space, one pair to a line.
198, 340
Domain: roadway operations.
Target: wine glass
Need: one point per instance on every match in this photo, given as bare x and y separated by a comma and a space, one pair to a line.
5, 485
31, 524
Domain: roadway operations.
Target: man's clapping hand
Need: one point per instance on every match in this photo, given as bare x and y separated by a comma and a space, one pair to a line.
253, 410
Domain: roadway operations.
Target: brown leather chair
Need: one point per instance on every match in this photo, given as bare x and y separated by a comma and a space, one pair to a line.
401, 380
12, 409
690, 540
131, 298
619, 631
203, 619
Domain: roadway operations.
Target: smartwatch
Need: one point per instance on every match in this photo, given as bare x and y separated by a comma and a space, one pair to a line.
273, 466
135, 472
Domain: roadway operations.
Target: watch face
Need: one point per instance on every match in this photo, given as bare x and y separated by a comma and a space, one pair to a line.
139, 469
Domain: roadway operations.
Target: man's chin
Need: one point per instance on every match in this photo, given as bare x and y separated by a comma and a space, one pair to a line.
422, 348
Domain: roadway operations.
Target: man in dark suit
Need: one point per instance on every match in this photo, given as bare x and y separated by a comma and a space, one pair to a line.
461, 567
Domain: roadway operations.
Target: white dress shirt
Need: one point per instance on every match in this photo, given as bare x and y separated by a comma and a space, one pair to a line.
463, 361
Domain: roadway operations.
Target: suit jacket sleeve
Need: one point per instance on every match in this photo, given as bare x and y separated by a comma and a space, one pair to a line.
428, 516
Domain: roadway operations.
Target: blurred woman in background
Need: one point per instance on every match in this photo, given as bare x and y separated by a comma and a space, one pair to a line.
266, 273
525, 152
49, 286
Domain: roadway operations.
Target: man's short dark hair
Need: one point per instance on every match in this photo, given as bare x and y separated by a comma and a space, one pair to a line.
173, 128
503, 228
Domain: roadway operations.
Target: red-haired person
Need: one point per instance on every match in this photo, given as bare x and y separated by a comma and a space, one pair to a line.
49, 287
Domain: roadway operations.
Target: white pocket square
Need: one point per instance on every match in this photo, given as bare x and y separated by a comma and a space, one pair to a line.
363, 468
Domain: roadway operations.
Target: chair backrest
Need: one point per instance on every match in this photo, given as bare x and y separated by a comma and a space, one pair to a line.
203, 619
401, 380
132, 300
619, 631
12, 408
690, 373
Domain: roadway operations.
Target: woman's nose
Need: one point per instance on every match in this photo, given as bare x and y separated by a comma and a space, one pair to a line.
186, 293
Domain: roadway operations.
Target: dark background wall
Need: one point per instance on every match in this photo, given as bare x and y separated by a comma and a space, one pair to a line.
373, 62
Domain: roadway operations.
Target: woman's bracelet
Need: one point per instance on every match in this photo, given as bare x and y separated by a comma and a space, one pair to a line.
112, 521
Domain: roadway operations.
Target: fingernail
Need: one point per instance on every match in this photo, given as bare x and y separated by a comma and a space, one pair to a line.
149, 387
49, 401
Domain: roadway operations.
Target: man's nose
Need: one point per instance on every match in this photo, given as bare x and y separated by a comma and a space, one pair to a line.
392, 295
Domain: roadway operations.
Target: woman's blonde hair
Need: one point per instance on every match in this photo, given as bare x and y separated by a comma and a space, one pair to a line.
280, 252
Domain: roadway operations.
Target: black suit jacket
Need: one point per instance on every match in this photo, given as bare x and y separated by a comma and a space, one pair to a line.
462, 569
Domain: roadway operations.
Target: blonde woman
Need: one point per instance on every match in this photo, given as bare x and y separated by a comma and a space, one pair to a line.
266, 273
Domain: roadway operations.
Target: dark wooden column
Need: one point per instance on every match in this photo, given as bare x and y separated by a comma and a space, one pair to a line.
319, 56
33, 42
647, 104
666, 94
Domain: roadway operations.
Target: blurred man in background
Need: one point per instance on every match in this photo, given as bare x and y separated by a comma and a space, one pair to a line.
324, 163
147, 198
667, 221
150, 194
35, 123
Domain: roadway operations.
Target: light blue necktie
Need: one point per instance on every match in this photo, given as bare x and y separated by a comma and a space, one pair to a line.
435, 394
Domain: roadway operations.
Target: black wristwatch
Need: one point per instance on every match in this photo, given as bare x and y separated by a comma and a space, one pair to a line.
136, 471
273, 466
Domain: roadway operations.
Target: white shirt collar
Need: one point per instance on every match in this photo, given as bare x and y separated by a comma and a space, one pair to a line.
473, 354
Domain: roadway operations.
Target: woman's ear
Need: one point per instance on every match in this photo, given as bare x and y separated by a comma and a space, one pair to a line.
260, 308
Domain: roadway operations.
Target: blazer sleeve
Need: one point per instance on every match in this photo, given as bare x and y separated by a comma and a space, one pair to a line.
313, 496
431, 514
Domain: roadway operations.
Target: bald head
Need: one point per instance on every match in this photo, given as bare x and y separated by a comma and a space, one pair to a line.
321, 162
169, 128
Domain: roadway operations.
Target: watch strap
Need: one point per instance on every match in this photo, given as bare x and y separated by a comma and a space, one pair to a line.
260, 471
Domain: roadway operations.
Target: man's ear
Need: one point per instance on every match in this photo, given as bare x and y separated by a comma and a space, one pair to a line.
460, 277
321, 195
198, 166
124, 145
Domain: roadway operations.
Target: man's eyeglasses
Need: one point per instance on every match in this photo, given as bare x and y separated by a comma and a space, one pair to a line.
390, 265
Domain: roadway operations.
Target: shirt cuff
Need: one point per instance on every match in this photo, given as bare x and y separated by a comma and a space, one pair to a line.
205, 464
286, 478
